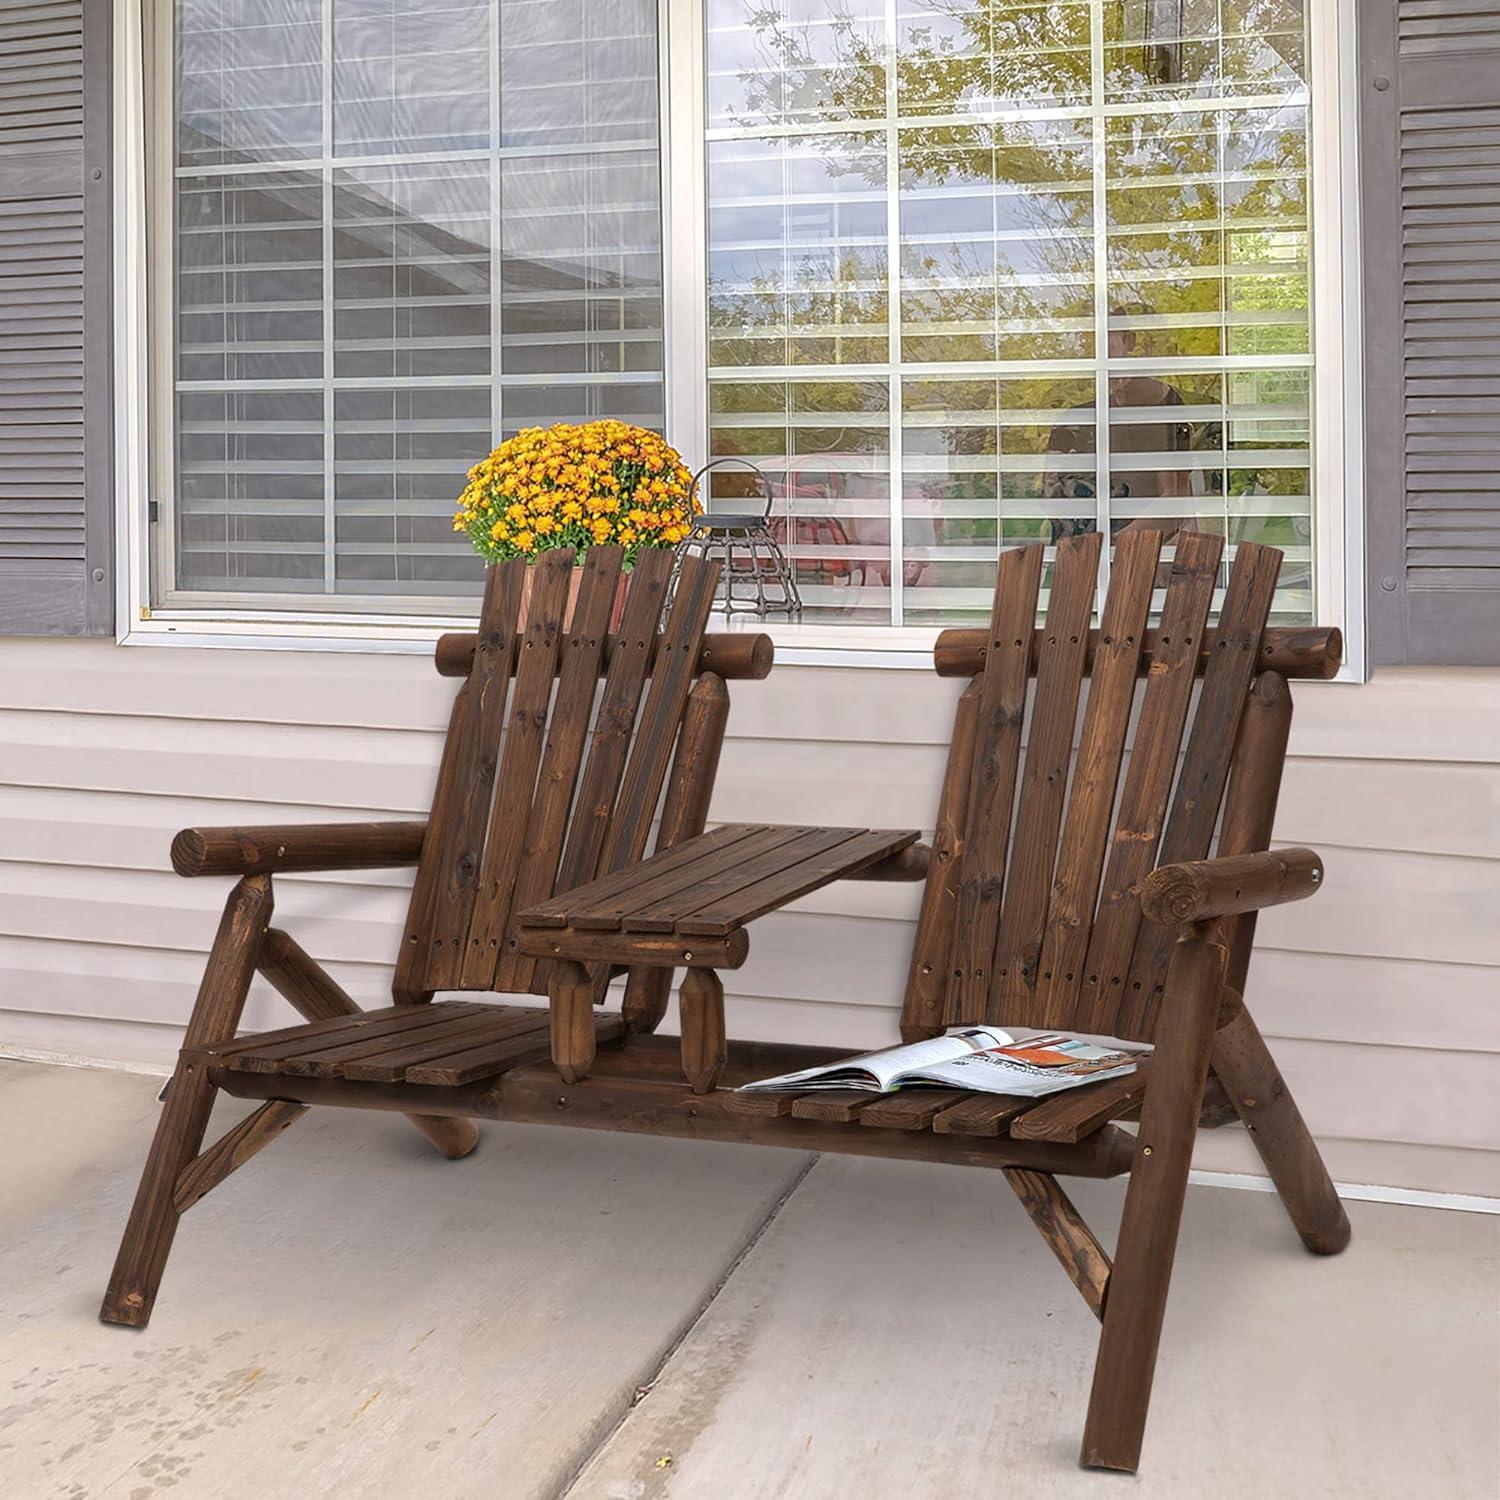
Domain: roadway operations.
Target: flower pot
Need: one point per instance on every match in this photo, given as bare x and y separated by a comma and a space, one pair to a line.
575, 582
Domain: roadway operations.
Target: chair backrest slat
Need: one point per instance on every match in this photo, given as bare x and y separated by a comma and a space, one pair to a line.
1205, 765
1091, 799
1044, 779
1149, 776
610, 743
1042, 926
463, 832
992, 781
567, 734
525, 734
932, 948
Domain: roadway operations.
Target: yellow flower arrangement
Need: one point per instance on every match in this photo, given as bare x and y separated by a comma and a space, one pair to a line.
577, 486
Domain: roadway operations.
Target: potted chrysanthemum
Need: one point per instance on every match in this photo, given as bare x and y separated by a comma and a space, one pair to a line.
579, 486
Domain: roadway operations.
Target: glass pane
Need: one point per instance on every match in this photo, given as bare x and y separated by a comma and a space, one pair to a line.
369, 297
1052, 208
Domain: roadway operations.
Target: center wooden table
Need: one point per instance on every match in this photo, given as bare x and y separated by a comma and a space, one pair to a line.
687, 906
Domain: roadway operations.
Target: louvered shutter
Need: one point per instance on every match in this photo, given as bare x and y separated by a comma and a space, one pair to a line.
55, 451
1430, 139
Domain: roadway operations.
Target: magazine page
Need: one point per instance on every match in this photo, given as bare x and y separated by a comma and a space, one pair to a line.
877, 1070
1037, 1065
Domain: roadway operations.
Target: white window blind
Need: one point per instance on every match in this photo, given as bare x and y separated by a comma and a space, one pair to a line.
944, 236
401, 230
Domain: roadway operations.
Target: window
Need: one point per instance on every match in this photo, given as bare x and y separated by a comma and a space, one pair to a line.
943, 236
387, 232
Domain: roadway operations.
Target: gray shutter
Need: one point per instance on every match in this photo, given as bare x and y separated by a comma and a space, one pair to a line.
56, 533
1429, 83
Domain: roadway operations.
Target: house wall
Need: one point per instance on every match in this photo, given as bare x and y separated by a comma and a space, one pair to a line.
1380, 996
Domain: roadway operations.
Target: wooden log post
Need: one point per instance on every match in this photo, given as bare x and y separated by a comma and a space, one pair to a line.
315, 996
232, 1150
570, 998
684, 816
1241, 1060
143, 1252
704, 1047
1137, 1300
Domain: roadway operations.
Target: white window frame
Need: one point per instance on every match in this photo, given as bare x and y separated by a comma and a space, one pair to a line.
1337, 437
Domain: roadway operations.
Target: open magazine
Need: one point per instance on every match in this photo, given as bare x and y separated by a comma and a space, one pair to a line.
982, 1058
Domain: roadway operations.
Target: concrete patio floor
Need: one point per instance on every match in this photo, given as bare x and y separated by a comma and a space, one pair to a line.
570, 1313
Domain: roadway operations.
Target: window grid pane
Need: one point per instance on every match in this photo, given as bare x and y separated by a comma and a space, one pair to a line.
943, 234
403, 231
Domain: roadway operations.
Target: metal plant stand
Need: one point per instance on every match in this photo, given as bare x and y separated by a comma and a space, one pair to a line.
756, 578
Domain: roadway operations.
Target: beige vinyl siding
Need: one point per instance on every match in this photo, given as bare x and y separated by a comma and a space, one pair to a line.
1379, 995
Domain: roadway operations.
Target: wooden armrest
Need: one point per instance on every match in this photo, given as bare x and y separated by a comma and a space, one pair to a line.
909, 863
305, 846
1225, 887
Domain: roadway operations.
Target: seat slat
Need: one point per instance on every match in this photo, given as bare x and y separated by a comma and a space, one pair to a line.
1091, 797
981, 1114
911, 1109
769, 1105
1075, 1113
932, 947
328, 1062
390, 1067
318, 1036
463, 833
525, 734
836, 1106
1044, 781
302, 1028
1205, 763
1148, 779
474, 1063
1002, 710
567, 734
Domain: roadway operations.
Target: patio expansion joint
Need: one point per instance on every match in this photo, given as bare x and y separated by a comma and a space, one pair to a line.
611, 1422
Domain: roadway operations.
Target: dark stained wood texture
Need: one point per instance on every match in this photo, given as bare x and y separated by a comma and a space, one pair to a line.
562, 760
460, 836
981, 1114
1148, 781
932, 947
615, 722
232, 1150
1075, 1113
1205, 763
1091, 798
1002, 712
547, 781
179, 1134
704, 1046
516, 779
736, 656
1067, 1235
1044, 782
684, 816
1301, 651
1147, 1243
910, 1109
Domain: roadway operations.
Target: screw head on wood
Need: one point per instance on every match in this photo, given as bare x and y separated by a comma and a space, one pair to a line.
1389, 585
1381, 82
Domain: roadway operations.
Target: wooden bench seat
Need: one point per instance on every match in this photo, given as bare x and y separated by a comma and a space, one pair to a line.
442, 1045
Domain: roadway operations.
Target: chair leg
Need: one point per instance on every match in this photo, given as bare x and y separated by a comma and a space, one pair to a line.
1136, 1299
570, 1002
179, 1134
1245, 1067
704, 1047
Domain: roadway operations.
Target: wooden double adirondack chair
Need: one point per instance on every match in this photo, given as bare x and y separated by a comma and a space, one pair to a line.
1061, 891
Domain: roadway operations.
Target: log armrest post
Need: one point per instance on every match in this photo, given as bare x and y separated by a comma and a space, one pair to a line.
307, 846
1229, 886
